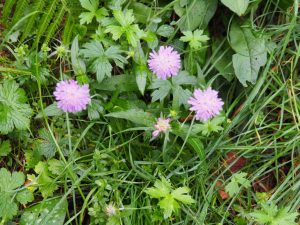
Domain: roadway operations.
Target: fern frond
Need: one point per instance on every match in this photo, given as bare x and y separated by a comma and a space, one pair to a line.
45, 21
19, 11
37, 6
7, 8
67, 33
55, 24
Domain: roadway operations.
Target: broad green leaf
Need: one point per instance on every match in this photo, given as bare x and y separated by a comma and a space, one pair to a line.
78, 64
141, 78
165, 30
183, 78
237, 6
120, 83
251, 53
142, 13
198, 14
93, 11
47, 212
135, 116
5, 148
14, 112
222, 58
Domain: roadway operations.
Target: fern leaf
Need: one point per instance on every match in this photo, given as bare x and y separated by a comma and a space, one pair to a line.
19, 11
45, 21
38, 6
54, 25
7, 9
67, 33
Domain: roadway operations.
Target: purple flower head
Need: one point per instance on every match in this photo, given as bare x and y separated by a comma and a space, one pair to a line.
72, 97
164, 63
162, 126
205, 103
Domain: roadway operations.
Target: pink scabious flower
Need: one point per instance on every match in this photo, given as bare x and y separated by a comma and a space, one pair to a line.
72, 97
164, 63
162, 126
205, 103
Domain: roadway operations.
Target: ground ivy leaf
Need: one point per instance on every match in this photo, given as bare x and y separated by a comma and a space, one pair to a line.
45, 182
56, 166
25, 196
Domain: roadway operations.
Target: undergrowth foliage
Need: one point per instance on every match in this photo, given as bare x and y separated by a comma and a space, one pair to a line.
149, 112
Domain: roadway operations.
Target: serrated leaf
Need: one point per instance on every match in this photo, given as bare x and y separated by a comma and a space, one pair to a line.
95, 109
100, 59
14, 112
195, 39
270, 214
46, 183
56, 166
169, 205
25, 197
9, 182
164, 87
237, 6
183, 78
181, 194
238, 180
47, 146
